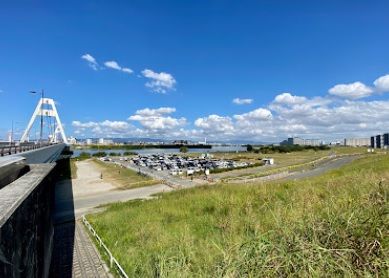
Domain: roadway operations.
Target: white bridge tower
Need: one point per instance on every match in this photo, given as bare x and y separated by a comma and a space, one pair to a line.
42, 110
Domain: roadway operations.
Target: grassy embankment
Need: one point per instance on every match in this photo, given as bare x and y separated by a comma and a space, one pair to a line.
283, 161
332, 225
124, 178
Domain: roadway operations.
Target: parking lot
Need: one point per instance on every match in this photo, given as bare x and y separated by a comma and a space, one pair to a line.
177, 170
177, 165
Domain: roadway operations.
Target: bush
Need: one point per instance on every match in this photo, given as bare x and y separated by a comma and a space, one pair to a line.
183, 149
84, 155
249, 148
129, 153
114, 154
99, 154
290, 148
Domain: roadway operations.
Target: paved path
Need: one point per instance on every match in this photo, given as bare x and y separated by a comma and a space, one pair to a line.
78, 256
323, 168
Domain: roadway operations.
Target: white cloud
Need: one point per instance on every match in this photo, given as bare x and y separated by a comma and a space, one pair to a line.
159, 82
157, 121
105, 128
147, 112
91, 61
259, 114
382, 83
242, 101
354, 90
127, 70
287, 98
215, 124
113, 65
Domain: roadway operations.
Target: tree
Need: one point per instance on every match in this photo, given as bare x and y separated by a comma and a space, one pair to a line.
249, 148
183, 149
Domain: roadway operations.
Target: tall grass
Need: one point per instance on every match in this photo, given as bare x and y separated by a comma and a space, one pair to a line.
333, 225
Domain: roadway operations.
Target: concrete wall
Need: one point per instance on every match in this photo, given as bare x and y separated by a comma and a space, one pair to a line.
26, 223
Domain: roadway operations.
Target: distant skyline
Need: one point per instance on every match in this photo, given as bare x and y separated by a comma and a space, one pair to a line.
225, 70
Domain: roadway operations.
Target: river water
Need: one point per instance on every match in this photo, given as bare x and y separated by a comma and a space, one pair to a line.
231, 148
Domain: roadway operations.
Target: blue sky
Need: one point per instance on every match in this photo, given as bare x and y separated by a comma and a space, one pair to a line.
186, 61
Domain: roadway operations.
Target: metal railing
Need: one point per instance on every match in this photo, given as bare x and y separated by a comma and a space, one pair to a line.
14, 149
113, 263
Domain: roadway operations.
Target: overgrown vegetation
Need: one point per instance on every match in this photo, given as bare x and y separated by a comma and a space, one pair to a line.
99, 154
288, 148
333, 225
127, 153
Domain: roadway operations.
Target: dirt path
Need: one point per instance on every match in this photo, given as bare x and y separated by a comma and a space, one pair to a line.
88, 181
81, 195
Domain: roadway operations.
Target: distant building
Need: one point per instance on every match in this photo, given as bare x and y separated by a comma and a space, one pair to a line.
357, 142
379, 141
302, 142
103, 141
180, 142
89, 141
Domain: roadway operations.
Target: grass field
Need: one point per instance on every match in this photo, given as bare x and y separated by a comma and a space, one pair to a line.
333, 225
123, 177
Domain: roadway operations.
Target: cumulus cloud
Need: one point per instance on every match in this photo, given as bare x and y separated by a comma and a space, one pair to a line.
158, 121
112, 65
127, 70
91, 61
159, 82
287, 98
105, 128
354, 90
259, 114
115, 65
215, 124
382, 83
242, 101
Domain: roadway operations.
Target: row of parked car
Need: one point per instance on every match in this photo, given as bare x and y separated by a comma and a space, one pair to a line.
177, 164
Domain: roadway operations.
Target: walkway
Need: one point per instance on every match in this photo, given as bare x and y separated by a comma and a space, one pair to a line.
77, 256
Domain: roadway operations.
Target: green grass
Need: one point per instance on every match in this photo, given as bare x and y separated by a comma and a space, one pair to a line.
335, 225
123, 177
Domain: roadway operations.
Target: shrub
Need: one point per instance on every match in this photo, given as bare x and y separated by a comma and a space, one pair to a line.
99, 154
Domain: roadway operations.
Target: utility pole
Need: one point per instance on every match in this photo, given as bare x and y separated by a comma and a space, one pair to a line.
41, 132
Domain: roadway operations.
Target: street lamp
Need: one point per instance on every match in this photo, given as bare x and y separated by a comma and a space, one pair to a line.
42, 97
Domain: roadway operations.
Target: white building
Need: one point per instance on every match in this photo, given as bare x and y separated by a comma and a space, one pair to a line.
357, 142
103, 141
89, 141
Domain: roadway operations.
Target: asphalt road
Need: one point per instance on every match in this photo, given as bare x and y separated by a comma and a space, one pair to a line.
322, 168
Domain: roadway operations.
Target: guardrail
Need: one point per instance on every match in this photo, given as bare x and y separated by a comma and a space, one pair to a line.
14, 149
113, 263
